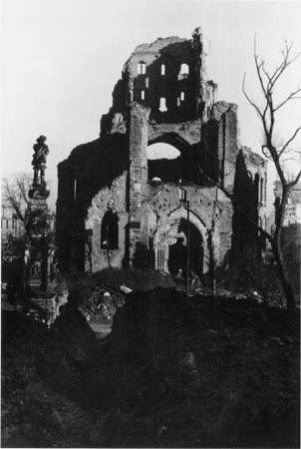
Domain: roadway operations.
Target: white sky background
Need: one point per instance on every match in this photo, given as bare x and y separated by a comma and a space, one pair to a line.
62, 59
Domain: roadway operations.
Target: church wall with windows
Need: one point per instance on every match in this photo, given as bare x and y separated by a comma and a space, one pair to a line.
112, 187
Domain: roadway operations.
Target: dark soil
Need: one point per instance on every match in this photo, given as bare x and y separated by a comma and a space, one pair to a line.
173, 373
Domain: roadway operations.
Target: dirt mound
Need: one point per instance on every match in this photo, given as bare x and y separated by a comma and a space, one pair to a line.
187, 373
174, 372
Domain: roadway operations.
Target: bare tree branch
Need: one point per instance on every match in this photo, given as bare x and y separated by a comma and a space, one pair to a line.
289, 141
252, 103
15, 194
291, 96
295, 181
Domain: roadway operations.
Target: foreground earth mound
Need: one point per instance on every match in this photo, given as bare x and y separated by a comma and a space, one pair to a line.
174, 372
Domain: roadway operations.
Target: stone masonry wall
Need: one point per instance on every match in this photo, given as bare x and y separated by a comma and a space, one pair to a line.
162, 96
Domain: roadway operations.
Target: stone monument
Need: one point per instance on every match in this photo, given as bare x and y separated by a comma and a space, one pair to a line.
38, 214
39, 260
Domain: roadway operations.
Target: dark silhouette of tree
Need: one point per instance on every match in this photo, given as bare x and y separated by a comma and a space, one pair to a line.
15, 195
269, 83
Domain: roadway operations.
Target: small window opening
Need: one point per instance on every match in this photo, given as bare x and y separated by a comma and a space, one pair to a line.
75, 189
178, 101
163, 69
184, 70
143, 95
182, 96
141, 68
162, 106
109, 230
261, 190
146, 82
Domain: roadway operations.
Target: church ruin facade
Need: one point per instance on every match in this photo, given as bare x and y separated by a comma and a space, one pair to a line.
119, 206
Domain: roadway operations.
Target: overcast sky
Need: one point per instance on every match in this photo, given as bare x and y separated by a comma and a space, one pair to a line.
63, 57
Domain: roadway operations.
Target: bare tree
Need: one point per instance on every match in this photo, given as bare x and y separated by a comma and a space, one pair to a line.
275, 152
15, 195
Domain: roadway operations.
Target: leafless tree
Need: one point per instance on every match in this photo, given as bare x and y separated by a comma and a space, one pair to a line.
269, 82
15, 195
275, 152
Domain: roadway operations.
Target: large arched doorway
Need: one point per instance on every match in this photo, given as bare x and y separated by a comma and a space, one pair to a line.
186, 250
170, 243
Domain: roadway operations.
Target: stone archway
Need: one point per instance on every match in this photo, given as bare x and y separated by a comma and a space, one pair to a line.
168, 246
182, 250
166, 158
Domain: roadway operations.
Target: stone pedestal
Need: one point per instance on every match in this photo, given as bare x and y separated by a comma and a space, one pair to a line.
38, 231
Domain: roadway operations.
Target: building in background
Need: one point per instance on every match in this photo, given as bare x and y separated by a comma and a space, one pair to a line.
118, 199
291, 234
13, 226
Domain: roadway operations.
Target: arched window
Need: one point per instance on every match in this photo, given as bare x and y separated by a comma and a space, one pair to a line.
184, 70
182, 96
143, 95
162, 105
141, 68
109, 230
163, 69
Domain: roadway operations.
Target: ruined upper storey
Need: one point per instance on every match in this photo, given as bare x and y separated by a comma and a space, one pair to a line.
167, 76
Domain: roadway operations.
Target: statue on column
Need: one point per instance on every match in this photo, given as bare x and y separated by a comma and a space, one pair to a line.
41, 150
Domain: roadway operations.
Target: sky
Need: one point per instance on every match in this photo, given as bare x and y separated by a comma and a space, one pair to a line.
62, 59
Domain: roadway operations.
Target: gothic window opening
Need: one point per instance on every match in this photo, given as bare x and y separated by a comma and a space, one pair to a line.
163, 69
184, 70
109, 230
182, 96
141, 68
162, 105
143, 95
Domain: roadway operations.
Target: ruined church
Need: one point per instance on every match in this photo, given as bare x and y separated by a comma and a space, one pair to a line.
119, 206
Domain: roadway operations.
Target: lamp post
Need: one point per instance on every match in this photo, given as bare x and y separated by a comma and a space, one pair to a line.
183, 200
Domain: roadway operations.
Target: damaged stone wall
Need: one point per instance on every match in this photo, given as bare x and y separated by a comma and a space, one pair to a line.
163, 96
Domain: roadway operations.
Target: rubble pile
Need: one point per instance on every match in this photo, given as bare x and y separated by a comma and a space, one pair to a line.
174, 372
200, 372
